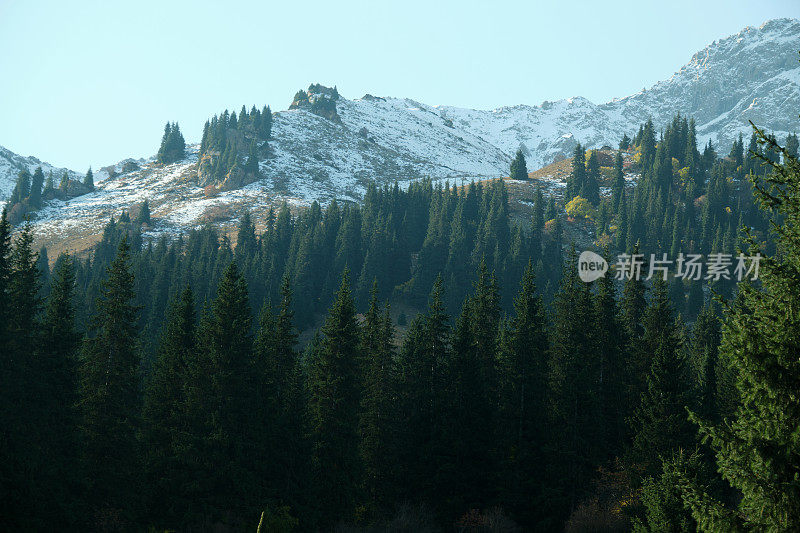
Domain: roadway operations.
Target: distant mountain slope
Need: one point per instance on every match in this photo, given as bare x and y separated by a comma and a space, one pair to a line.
753, 75
11, 164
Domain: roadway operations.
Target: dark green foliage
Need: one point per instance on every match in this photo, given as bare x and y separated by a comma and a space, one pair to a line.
705, 346
88, 180
756, 449
173, 146
144, 213
660, 423
791, 145
110, 394
164, 411
221, 398
574, 389
229, 141
57, 396
37, 182
472, 387
576, 180
280, 398
22, 414
664, 510
333, 410
519, 169
22, 188
421, 411
522, 421
377, 408
610, 344
591, 184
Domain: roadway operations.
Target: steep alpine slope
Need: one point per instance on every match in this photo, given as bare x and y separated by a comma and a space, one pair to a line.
11, 164
753, 75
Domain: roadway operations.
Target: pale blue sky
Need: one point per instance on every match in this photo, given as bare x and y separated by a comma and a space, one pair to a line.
89, 83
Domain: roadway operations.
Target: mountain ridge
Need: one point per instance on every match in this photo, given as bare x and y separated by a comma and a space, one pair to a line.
751, 75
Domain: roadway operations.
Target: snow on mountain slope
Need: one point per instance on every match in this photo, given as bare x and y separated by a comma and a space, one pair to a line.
11, 164
753, 75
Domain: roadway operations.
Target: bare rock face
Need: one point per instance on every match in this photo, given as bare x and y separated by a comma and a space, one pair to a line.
236, 177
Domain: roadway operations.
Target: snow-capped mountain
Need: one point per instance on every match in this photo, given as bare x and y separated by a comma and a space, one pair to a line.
11, 164
753, 75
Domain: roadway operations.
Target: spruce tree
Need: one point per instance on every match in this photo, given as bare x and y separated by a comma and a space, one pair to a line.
618, 187
227, 395
88, 180
756, 450
705, 346
63, 184
519, 169
23, 416
792, 145
37, 182
574, 392
333, 410
22, 189
24, 302
144, 213
57, 379
280, 396
164, 411
611, 344
632, 312
110, 394
576, 179
472, 384
422, 396
376, 404
523, 402
660, 424
591, 183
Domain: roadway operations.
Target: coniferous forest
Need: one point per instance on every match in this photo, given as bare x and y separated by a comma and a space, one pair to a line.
418, 362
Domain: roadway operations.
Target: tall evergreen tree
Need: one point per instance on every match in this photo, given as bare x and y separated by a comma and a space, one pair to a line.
591, 183
88, 180
422, 382
611, 344
23, 417
57, 379
575, 403
164, 411
523, 403
37, 182
376, 404
575, 182
333, 410
660, 424
226, 339
757, 450
280, 397
110, 394
519, 168
472, 376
